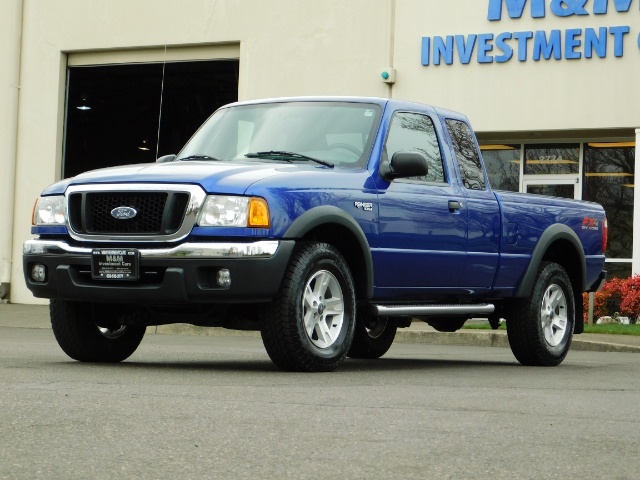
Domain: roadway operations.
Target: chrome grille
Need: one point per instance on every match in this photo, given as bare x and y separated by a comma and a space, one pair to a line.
165, 212
158, 213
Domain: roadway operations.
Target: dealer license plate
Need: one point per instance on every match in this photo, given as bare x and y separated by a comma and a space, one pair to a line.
115, 264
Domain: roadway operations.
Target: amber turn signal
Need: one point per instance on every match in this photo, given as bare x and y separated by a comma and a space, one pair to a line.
258, 213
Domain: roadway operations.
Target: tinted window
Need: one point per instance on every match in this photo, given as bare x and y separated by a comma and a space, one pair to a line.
412, 132
466, 154
336, 132
503, 166
609, 179
551, 159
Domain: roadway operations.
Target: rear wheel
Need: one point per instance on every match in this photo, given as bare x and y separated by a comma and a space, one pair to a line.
540, 328
373, 336
80, 336
309, 326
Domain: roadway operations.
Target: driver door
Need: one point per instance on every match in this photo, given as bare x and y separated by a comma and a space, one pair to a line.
423, 224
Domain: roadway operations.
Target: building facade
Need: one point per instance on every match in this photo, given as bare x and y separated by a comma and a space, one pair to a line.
549, 86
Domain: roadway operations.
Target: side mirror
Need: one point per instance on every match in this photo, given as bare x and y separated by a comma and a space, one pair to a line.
405, 164
166, 158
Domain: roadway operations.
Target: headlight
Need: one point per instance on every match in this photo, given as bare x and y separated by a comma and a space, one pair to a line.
49, 211
231, 211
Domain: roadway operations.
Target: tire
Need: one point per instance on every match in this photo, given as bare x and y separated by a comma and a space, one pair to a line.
309, 326
446, 324
373, 336
75, 328
540, 327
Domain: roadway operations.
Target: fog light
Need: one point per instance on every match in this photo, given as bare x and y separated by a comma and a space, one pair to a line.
39, 273
224, 278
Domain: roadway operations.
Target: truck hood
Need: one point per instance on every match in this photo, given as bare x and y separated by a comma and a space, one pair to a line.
223, 177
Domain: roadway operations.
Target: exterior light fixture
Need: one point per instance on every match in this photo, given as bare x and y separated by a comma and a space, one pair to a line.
83, 102
388, 75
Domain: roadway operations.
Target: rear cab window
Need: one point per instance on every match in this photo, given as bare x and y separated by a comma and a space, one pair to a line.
467, 155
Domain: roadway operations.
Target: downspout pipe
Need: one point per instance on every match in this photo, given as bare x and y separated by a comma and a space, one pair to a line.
11, 50
635, 261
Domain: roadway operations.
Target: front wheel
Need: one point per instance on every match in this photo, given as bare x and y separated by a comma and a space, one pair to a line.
84, 338
540, 327
309, 326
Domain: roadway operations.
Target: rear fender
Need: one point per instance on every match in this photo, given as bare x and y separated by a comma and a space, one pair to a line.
577, 273
551, 235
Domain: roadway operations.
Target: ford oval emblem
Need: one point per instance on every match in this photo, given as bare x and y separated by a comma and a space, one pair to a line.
123, 213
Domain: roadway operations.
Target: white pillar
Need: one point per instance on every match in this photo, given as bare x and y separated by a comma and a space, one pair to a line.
635, 263
10, 52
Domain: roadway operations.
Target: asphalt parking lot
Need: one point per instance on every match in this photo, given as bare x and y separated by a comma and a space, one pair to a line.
214, 406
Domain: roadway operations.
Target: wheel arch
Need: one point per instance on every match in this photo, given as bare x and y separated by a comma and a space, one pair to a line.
561, 245
332, 225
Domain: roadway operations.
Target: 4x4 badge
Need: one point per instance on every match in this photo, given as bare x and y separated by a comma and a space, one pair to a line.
366, 206
123, 213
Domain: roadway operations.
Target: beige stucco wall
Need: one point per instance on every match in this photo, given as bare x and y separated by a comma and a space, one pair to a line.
519, 96
10, 35
298, 47
287, 47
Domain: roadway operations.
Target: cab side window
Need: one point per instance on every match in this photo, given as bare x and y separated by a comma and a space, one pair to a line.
413, 132
466, 154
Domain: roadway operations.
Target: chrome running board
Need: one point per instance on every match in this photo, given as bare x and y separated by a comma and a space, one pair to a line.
431, 310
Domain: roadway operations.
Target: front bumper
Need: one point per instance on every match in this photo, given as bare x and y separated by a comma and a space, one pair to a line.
184, 274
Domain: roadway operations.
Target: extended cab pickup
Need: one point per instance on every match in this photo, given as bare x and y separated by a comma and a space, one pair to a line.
324, 223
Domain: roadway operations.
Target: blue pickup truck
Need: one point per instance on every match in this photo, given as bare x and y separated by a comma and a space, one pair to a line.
324, 223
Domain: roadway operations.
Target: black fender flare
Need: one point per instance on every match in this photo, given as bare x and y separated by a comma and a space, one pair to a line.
555, 232
325, 214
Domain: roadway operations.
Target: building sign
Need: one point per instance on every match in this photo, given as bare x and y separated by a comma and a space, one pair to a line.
522, 46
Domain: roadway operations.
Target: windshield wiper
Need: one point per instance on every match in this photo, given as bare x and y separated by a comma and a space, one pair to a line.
200, 156
286, 155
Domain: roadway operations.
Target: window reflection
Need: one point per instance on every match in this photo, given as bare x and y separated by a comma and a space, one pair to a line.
609, 181
550, 190
618, 269
411, 132
503, 166
553, 159
466, 153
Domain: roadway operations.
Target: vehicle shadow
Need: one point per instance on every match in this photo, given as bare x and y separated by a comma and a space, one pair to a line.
261, 366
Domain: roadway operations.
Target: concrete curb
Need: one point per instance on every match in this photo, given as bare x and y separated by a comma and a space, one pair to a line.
590, 346
482, 338
499, 339
37, 316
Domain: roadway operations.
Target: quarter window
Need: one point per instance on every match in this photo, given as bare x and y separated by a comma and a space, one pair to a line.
466, 154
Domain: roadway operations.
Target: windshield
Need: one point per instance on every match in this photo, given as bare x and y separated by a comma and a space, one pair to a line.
336, 133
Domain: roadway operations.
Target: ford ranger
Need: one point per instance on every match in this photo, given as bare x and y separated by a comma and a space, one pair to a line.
324, 223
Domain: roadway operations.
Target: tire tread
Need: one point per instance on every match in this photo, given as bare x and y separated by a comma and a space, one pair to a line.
523, 330
279, 330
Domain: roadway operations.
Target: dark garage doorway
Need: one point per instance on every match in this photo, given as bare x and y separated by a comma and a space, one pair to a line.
122, 114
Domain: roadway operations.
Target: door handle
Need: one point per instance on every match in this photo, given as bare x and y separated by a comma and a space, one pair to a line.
454, 206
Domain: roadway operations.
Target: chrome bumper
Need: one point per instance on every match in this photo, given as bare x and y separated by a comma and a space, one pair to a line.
260, 249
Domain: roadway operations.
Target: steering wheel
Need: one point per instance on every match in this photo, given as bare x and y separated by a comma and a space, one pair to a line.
346, 146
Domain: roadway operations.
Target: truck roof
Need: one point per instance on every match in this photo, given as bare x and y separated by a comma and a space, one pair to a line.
383, 102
